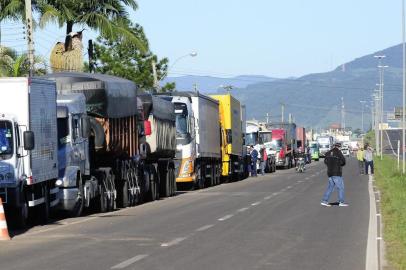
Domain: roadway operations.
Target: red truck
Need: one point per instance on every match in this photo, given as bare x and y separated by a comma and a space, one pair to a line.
284, 143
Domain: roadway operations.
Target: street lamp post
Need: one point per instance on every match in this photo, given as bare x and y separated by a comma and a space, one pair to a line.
404, 86
362, 115
155, 74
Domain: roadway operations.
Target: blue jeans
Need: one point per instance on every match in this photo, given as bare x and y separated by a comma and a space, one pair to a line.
335, 181
369, 164
262, 165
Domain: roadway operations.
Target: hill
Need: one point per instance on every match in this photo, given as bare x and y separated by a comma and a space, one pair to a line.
315, 99
209, 84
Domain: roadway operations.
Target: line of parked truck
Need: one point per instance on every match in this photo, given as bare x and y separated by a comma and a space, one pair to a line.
71, 141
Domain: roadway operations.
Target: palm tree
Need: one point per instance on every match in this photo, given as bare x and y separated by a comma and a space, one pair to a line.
14, 65
109, 17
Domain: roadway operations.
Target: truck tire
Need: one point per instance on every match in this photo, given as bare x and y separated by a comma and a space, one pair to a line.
103, 200
125, 196
199, 178
20, 217
44, 209
173, 181
80, 201
164, 187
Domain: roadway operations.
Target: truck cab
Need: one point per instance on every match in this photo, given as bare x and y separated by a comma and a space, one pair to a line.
284, 151
73, 149
185, 139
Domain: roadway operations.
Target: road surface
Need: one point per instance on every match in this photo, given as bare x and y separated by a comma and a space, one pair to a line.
271, 222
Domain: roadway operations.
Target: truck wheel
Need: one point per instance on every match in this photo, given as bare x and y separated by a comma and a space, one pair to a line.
124, 203
20, 219
103, 200
153, 187
199, 178
45, 207
164, 188
80, 201
173, 182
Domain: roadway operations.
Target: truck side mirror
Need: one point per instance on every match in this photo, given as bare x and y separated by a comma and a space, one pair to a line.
229, 136
29, 141
85, 124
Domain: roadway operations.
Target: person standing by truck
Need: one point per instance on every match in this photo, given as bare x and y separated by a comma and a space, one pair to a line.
263, 159
335, 161
254, 159
360, 158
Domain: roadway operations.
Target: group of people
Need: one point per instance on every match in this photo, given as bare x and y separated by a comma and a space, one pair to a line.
262, 156
365, 159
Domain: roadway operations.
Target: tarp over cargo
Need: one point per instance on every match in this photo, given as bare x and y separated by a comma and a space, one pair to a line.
106, 96
160, 108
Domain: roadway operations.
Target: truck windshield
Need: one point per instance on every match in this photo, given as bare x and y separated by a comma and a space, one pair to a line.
276, 144
266, 137
6, 139
314, 146
63, 131
251, 139
181, 124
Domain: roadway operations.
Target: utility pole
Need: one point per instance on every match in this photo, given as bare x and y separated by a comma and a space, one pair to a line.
404, 87
377, 106
195, 87
267, 118
290, 118
362, 115
90, 53
30, 40
283, 111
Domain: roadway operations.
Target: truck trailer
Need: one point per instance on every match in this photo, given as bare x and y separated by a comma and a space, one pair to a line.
198, 153
28, 148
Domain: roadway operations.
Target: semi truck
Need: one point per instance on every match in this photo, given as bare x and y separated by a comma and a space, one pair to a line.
325, 144
231, 137
116, 147
28, 148
284, 143
198, 155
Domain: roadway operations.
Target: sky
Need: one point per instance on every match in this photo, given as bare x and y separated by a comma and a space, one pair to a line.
281, 39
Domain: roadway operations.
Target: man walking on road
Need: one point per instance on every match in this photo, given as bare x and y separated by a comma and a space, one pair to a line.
360, 157
369, 160
334, 160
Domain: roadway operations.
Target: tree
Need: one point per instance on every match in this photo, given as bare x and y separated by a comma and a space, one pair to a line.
109, 17
14, 65
114, 57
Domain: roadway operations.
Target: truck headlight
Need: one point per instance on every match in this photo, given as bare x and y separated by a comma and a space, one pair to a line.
187, 167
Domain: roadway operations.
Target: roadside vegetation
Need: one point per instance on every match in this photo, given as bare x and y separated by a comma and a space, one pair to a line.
393, 201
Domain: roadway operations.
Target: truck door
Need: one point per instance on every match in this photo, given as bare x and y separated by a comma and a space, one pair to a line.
79, 143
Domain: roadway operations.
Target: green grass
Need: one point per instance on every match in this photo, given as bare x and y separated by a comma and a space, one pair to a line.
393, 202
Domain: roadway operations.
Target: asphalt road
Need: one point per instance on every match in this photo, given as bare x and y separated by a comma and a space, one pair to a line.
271, 222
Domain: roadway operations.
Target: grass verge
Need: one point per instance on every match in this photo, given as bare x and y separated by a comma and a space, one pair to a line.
393, 202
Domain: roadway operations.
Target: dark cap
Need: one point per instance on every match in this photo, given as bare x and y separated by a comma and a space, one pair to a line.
337, 144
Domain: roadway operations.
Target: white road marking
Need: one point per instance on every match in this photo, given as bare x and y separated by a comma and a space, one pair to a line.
268, 197
275, 193
255, 203
128, 262
379, 238
289, 187
243, 209
371, 259
203, 228
378, 215
173, 242
225, 217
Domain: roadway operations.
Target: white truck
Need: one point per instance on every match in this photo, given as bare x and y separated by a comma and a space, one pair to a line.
28, 148
198, 139
325, 144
